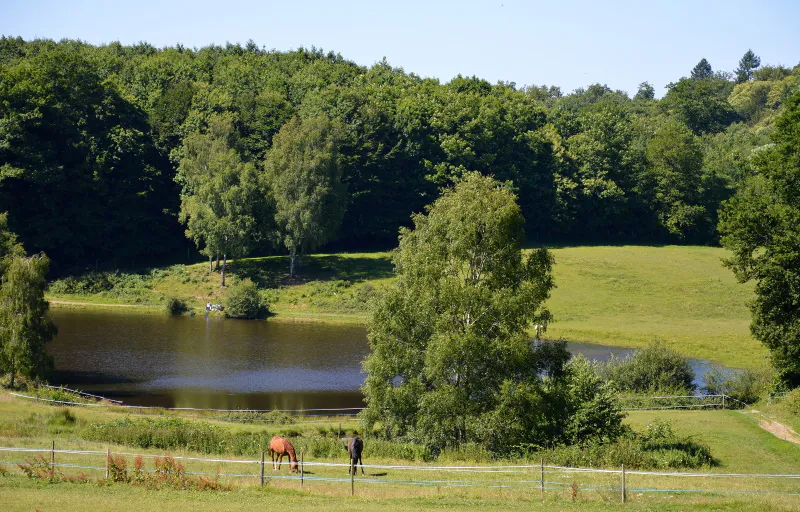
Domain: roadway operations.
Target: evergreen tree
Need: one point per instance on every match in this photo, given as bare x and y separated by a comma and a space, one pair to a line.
748, 63
702, 70
645, 92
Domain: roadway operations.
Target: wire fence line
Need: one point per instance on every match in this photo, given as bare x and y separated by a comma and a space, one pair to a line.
629, 403
518, 468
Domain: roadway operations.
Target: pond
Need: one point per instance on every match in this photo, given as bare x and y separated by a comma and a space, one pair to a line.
221, 363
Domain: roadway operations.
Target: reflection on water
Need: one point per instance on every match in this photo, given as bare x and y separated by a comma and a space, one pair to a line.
218, 363
209, 362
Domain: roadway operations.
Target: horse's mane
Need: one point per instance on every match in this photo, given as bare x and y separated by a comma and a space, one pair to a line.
290, 451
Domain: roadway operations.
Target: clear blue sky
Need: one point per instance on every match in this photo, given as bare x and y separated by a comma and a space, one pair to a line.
563, 43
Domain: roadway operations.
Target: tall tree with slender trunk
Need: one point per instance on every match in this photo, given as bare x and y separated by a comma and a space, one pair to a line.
304, 179
221, 203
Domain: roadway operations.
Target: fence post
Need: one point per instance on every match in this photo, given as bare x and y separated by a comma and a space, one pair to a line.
108, 460
723, 402
340, 430
623, 483
302, 469
53, 456
262, 468
541, 474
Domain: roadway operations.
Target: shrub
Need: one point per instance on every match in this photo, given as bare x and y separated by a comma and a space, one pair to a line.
175, 306
657, 447
39, 467
654, 368
791, 402
118, 469
244, 301
748, 385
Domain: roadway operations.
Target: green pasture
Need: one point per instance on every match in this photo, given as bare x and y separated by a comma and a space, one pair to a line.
734, 437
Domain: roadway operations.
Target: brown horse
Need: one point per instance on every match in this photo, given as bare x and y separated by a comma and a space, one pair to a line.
278, 449
355, 447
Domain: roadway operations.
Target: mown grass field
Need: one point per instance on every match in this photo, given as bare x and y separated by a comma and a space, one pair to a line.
622, 296
734, 437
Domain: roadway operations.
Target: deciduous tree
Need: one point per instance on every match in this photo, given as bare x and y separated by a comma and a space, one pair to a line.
221, 203
304, 180
761, 226
24, 328
451, 356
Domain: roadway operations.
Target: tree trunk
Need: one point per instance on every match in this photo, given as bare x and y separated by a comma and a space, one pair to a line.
13, 370
224, 261
292, 256
217, 267
210, 263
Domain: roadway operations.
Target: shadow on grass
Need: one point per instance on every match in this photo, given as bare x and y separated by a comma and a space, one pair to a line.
274, 272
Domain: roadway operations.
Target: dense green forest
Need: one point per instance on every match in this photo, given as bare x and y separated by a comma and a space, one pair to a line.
103, 150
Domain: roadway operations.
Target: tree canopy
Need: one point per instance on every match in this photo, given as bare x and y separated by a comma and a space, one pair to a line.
24, 328
451, 358
303, 176
92, 139
761, 226
221, 199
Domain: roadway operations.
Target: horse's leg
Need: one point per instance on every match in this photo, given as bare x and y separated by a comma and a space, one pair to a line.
272, 456
280, 461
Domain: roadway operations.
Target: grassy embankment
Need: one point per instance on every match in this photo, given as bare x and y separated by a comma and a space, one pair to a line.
734, 438
622, 296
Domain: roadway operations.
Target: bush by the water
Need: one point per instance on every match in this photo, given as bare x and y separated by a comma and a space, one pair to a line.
175, 306
654, 368
747, 385
245, 301
790, 402
657, 447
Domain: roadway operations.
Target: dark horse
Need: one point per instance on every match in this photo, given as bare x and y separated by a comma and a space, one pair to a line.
355, 447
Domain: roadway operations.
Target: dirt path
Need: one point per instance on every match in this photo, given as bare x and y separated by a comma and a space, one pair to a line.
775, 428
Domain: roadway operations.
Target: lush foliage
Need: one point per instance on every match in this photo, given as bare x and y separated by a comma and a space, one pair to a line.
175, 306
747, 386
656, 447
24, 328
305, 182
653, 368
761, 225
93, 138
451, 359
245, 301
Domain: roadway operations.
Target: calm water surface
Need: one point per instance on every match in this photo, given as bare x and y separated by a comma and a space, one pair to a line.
220, 363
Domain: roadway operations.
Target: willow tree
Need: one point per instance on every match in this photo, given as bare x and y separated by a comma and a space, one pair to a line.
24, 328
304, 180
452, 359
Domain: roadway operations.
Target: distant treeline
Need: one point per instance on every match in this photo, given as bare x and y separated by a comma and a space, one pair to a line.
91, 138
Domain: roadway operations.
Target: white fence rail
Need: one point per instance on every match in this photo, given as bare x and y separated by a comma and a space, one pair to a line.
523, 477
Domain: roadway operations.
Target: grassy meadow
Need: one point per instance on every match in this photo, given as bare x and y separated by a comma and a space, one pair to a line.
734, 437
622, 296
